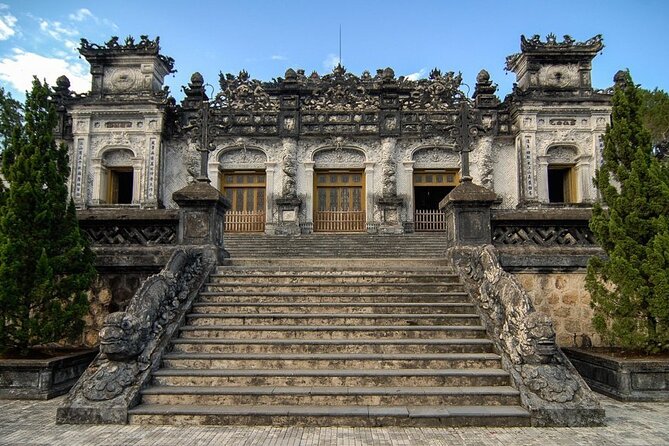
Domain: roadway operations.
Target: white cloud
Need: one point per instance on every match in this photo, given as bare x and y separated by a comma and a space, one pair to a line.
56, 30
19, 68
420, 74
331, 61
7, 23
82, 14
278, 57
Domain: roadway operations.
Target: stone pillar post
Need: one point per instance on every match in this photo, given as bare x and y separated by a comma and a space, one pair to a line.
202, 216
542, 179
369, 196
289, 216
270, 221
308, 225
409, 223
467, 210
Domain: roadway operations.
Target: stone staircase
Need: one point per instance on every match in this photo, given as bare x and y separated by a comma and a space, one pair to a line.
344, 246
331, 341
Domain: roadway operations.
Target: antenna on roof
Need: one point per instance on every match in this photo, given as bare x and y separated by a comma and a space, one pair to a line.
340, 44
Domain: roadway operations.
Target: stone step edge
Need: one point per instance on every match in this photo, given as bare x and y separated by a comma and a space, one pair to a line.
332, 327
366, 341
336, 304
331, 284
329, 390
333, 315
332, 356
460, 372
334, 411
333, 294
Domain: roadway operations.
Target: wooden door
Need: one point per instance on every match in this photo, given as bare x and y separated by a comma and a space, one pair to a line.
246, 192
339, 201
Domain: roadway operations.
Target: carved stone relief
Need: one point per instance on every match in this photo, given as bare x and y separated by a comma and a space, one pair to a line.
562, 154
117, 158
243, 156
342, 156
435, 155
559, 76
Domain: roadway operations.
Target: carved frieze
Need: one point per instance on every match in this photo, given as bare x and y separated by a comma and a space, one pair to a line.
117, 158
341, 155
562, 154
243, 155
116, 139
434, 155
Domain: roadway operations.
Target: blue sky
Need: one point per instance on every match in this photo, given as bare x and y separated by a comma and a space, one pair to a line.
266, 37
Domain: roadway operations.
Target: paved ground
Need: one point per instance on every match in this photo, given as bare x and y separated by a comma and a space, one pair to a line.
32, 423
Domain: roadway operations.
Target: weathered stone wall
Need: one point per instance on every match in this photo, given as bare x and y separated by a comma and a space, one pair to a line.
109, 293
563, 297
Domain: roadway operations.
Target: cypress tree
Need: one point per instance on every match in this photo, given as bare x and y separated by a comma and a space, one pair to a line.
45, 262
630, 287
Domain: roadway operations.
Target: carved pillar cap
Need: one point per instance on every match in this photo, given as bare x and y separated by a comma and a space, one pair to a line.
200, 194
468, 192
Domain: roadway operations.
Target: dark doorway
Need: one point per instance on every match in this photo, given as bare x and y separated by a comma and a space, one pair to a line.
429, 197
559, 184
121, 185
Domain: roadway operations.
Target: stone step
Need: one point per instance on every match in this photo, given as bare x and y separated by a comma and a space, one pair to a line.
313, 318
333, 331
348, 262
362, 416
371, 345
323, 287
332, 378
332, 307
332, 271
348, 278
329, 361
336, 396
332, 297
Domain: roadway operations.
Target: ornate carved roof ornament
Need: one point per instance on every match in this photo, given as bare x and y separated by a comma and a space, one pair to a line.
534, 45
145, 46
339, 91
241, 92
438, 92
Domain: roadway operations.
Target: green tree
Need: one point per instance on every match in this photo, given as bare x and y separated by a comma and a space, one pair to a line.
10, 117
45, 262
630, 288
655, 117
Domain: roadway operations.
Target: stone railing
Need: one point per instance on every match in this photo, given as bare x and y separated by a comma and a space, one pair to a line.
542, 228
550, 388
132, 342
129, 228
544, 240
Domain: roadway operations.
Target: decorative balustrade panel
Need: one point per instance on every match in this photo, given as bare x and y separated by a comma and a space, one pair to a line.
339, 221
429, 221
130, 233
543, 233
245, 221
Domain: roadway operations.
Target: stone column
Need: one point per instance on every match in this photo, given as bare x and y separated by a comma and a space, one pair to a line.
411, 199
308, 225
584, 193
270, 222
467, 210
369, 196
542, 179
202, 216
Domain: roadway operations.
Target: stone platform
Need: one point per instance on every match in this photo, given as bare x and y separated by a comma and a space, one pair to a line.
32, 423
